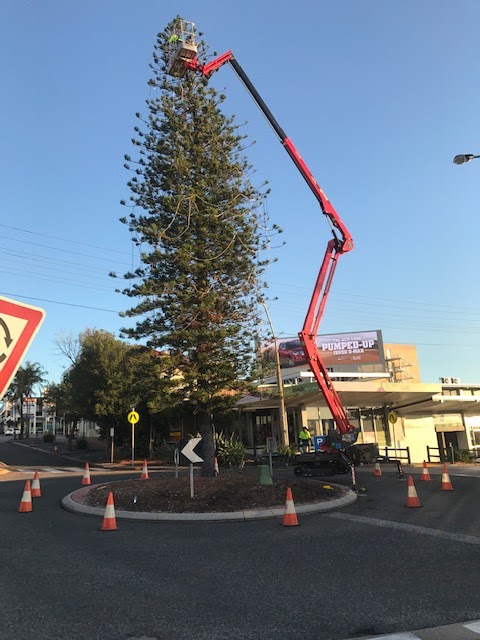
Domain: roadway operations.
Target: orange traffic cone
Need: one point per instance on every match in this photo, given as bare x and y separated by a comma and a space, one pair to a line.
26, 501
86, 475
412, 497
36, 491
216, 467
377, 471
144, 474
109, 521
290, 517
446, 484
425, 473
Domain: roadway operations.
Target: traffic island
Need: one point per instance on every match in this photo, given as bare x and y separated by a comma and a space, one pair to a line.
228, 497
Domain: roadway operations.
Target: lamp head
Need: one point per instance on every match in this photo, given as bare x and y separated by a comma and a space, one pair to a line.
464, 157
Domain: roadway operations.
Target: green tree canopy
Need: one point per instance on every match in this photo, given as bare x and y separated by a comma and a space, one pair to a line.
108, 378
28, 378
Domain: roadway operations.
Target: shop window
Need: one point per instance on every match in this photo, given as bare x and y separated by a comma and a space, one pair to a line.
328, 425
263, 424
313, 427
354, 419
475, 438
383, 434
368, 427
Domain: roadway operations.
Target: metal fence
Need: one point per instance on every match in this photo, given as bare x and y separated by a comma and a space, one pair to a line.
436, 454
451, 454
392, 454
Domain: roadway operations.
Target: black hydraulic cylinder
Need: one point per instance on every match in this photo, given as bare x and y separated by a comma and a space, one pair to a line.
256, 96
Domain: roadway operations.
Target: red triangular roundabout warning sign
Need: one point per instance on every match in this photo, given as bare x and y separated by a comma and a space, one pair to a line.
19, 323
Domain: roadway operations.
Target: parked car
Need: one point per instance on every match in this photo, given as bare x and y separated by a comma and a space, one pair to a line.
8, 431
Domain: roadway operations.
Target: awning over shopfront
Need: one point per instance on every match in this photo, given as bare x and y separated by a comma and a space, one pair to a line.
405, 398
468, 405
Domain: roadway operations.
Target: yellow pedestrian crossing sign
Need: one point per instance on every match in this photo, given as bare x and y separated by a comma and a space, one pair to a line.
133, 417
392, 417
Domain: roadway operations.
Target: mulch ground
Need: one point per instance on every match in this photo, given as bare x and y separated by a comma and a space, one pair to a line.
227, 492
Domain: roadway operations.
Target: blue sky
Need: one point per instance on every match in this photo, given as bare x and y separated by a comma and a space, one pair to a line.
376, 96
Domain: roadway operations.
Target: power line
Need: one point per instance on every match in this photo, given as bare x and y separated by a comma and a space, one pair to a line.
45, 235
380, 316
23, 255
69, 251
67, 304
60, 281
377, 299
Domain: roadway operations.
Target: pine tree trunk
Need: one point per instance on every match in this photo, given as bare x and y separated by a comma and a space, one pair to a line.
205, 426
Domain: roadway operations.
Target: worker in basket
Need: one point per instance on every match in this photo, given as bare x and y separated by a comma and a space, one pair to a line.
174, 39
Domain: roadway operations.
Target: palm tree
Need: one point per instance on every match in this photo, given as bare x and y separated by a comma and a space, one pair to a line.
29, 376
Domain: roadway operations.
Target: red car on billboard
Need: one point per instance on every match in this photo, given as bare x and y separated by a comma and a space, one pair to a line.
291, 353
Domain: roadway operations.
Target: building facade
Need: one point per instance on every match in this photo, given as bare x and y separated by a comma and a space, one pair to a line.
374, 380
39, 417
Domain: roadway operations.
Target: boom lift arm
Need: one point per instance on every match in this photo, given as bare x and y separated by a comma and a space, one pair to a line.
340, 243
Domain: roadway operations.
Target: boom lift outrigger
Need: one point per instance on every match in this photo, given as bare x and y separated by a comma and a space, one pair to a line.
336, 456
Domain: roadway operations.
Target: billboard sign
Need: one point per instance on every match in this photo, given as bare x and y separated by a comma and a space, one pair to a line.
335, 350
361, 347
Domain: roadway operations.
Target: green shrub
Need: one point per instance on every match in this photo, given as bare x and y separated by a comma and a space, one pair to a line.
464, 455
285, 450
166, 452
230, 451
48, 436
82, 443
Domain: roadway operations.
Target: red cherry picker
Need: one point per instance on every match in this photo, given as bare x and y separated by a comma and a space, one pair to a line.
337, 453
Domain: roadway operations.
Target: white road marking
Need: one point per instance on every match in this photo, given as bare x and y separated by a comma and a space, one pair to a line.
463, 475
410, 528
54, 469
398, 636
473, 626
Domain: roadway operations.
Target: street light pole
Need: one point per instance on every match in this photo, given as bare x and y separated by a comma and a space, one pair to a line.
464, 157
281, 397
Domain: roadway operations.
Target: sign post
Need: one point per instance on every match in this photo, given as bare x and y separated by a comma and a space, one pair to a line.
18, 325
176, 460
189, 453
192, 488
133, 418
271, 448
112, 437
392, 418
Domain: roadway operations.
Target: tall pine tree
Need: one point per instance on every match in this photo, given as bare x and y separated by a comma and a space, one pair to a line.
195, 215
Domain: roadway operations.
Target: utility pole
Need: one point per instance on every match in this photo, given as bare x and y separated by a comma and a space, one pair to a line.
281, 398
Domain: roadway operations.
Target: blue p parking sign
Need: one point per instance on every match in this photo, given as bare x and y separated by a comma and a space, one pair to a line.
318, 441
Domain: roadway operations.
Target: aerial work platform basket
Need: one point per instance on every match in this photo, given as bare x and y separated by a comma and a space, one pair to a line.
182, 47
